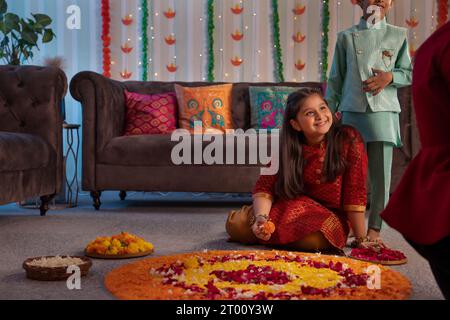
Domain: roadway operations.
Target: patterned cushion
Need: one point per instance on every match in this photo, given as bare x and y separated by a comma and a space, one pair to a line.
211, 105
150, 114
268, 105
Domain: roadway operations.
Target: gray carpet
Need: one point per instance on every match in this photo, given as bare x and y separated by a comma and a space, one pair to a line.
170, 222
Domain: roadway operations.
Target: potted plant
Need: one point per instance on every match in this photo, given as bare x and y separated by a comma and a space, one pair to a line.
19, 36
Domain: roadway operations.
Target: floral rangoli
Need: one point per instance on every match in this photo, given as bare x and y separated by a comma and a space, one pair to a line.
256, 275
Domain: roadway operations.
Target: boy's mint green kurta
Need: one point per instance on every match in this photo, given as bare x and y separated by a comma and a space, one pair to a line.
359, 50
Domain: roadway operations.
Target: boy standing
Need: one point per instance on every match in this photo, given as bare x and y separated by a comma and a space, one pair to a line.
371, 61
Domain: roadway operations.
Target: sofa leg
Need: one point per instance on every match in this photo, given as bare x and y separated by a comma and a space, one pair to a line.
122, 195
45, 200
96, 198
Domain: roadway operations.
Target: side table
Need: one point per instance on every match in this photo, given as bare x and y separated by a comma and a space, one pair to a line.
71, 154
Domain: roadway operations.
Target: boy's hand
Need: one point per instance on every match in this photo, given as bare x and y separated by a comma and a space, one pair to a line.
378, 82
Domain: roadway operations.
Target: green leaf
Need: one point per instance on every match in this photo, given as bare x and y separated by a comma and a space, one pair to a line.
29, 37
3, 6
11, 22
38, 28
48, 36
42, 19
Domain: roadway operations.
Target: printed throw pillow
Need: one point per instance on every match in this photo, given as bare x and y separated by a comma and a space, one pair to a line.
211, 105
267, 106
150, 114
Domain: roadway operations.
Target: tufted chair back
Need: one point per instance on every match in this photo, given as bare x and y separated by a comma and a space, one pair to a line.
30, 97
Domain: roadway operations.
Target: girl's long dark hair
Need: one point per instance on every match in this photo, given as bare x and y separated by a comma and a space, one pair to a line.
290, 182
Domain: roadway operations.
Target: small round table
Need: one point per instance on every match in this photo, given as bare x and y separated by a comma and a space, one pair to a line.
72, 154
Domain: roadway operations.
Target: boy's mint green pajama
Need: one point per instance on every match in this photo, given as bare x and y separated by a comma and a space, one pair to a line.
359, 50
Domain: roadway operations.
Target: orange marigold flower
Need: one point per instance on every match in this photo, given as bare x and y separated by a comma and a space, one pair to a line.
269, 227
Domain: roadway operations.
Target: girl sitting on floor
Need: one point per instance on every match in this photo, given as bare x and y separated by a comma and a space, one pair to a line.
319, 190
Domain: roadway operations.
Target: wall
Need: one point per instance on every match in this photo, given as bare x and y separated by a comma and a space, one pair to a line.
81, 49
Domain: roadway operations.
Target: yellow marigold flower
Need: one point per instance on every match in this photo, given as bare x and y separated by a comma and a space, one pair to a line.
148, 246
113, 250
133, 248
119, 244
116, 243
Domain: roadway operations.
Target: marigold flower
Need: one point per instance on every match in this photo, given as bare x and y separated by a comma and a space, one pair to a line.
120, 244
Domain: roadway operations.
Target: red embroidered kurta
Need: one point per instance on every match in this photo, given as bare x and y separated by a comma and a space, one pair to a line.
322, 207
420, 206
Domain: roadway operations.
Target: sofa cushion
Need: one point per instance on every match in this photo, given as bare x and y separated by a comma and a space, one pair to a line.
150, 114
211, 105
21, 151
241, 99
267, 106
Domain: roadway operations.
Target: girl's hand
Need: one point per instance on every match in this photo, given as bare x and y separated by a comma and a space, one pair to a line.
258, 228
378, 82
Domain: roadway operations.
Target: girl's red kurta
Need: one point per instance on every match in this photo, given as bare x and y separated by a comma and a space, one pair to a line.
323, 206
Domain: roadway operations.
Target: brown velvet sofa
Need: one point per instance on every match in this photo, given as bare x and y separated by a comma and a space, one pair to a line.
112, 161
31, 156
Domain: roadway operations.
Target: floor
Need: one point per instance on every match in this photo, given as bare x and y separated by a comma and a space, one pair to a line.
174, 223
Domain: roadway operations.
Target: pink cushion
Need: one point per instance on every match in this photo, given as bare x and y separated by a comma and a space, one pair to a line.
150, 114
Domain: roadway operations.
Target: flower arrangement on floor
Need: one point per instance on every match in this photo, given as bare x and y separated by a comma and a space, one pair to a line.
120, 244
255, 275
383, 255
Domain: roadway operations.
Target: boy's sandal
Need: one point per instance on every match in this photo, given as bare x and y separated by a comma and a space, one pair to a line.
375, 251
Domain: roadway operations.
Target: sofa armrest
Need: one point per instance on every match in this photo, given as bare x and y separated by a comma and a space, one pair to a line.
30, 102
103, 101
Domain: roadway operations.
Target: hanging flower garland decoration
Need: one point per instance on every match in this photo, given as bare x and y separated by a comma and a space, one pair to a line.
127, 20
126, 49
442, 12
278, 54
170, 13
300, 65
210, 12
412, 23
236, 61
299, 38
106, 38
237, 35
237, 9
144, 36
299, 10
325, 32
170, 40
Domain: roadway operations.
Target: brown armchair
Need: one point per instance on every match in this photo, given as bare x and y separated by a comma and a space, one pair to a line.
31, 156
